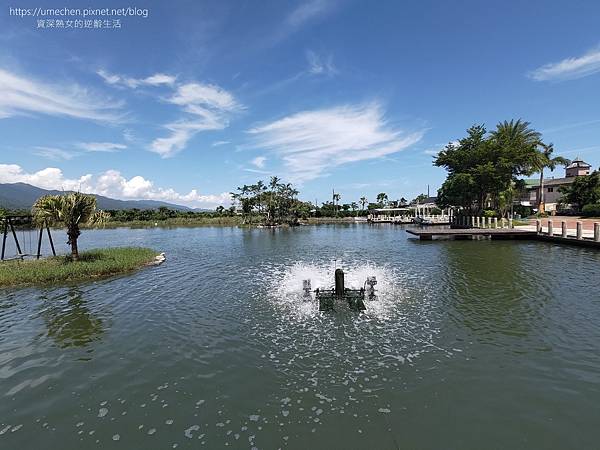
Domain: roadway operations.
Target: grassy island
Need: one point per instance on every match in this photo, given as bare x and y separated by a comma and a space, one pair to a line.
92, 264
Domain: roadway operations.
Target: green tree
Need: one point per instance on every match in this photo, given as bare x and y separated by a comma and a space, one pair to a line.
541, 160
582, 191
336, 201
69, 210
363, 201
382, 199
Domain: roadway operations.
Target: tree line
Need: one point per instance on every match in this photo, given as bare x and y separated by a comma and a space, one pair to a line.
484, 169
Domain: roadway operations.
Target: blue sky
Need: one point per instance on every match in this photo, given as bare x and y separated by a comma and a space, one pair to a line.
203, 96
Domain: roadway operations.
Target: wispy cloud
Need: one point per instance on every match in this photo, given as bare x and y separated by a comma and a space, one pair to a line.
53, 153
23, 95
110, 183
219, 143
107, 147
259, 161
208, 107
311, 142
308, 11
438, 148
569, 68
154, 80
317, 65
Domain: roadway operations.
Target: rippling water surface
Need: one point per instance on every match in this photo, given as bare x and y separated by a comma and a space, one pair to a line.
468, 345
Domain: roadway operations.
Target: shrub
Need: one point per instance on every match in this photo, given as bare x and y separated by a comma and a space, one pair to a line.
592, 210
490, 213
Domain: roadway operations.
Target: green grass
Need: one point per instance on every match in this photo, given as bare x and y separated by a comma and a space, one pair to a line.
176, 222
92, 264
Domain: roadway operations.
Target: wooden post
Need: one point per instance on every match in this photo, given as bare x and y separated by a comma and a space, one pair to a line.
50, 239
538, 226
510, 223
4, 234
550, 228
565, 230
339, 282
39, 246
579, 230
597, 231
12, 228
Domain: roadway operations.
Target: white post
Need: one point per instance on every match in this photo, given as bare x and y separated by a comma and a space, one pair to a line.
579, 229
478, 222
473, 221
565, 230
550, 228
495, 222
510, 223
597, 231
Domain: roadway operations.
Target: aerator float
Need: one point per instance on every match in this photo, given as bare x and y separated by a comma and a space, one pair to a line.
339, 294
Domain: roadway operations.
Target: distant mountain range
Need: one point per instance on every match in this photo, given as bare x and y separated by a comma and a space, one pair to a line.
23, 196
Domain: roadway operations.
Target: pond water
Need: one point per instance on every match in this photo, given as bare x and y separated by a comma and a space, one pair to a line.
468, 345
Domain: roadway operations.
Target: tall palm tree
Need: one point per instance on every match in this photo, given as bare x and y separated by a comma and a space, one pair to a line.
516, 132
363, 201
382, 198
69, 210
336, 201
541, 160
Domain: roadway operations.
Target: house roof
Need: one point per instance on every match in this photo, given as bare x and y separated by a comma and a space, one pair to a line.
533, 183
578, 163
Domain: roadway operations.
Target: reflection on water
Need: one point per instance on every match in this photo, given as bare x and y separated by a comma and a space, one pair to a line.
219, 348
70, 322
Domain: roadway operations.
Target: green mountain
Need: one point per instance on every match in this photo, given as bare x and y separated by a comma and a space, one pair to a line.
22, 196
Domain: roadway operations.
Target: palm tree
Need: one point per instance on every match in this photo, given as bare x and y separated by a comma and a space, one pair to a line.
516, 132
403, 201
69, 210
382, 198
543, 159
363, 201
336, 201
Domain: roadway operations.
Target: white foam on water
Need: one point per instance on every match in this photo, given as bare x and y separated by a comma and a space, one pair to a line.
285, 285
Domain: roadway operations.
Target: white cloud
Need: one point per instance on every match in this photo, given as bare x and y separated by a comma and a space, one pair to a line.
310, 142
219, 143
259, 161
48, 178
438, 148
320, 66
209, 108
108, 147
111, 184
569, 68
154, 80
21, 95
54, 153
307, 11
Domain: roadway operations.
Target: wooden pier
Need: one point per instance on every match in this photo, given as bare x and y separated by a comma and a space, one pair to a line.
505, 233
472, 233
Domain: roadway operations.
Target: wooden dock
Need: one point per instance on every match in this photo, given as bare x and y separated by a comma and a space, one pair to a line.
500, 233
472, 233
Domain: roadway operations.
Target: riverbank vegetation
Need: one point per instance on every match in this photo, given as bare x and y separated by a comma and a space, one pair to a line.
584, 194
484, 169
91, 264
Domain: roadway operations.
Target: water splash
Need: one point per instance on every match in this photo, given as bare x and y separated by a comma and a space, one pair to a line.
285, 285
